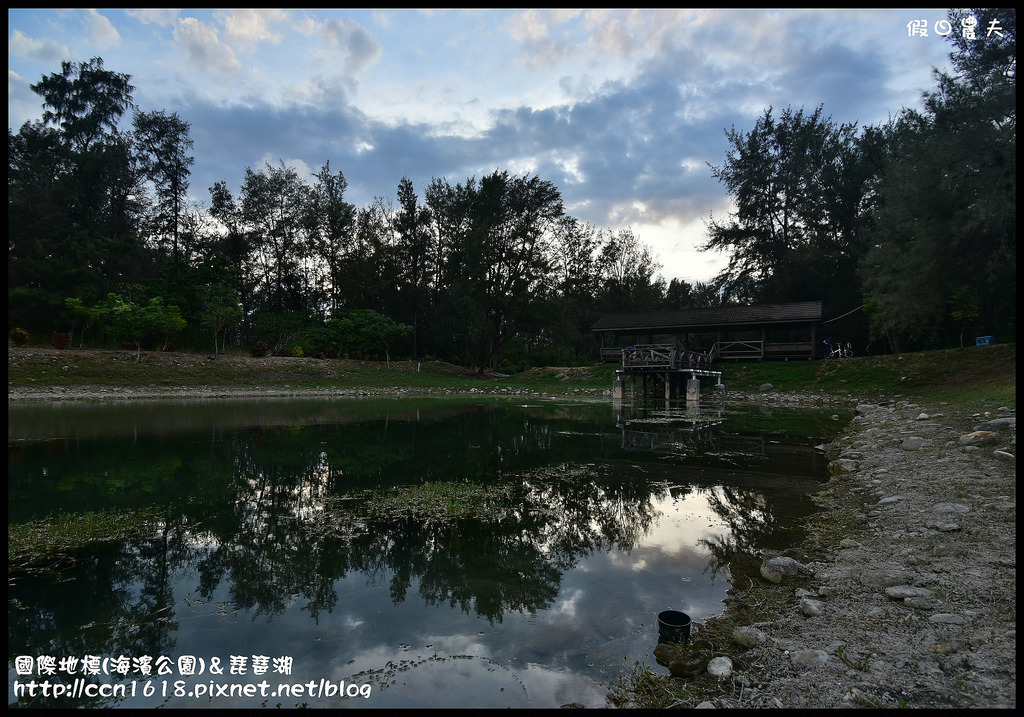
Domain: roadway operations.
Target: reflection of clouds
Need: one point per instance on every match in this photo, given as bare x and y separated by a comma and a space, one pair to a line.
686, 522
567, 605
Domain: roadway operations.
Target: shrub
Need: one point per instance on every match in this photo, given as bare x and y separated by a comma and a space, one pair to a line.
331, 353
169, 347
127, 346
60, 341
259, 349
18, 336
297, 352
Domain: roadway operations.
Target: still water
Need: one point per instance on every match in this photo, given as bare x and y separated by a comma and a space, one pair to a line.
264, 585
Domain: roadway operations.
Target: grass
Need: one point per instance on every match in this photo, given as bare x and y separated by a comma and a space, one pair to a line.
982, 375
50, 542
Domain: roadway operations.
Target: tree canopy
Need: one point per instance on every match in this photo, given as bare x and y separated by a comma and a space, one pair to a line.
913, 220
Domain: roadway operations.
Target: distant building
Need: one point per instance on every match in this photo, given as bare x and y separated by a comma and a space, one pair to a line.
770, 332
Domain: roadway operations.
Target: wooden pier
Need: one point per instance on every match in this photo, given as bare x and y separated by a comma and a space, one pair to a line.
677, 370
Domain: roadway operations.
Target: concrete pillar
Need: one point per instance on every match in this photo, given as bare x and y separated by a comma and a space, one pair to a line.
693, 389
618, 386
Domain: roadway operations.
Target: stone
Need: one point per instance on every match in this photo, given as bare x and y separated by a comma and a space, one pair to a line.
720, 667
914, 443
978, 438
749, 636
810, 608
842, 465
807, 659
899, 592
777, 569
951, 508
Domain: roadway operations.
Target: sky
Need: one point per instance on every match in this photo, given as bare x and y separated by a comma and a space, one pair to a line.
624, 110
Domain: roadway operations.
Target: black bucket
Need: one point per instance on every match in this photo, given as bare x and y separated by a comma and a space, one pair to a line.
673, 625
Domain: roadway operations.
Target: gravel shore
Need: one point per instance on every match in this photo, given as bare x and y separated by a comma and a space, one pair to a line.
912, 599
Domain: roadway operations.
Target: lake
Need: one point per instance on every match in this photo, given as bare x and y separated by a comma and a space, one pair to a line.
387, 553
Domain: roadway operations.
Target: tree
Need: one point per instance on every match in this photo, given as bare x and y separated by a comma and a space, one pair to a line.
493, 241
332, 222
274, 204
216, 286
945, 211
125, 317
798, 182
413, 256
364, 331
84, 101
164, 144
629, 274
78, 311
73, 199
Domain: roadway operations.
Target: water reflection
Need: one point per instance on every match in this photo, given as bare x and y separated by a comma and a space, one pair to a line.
271, 541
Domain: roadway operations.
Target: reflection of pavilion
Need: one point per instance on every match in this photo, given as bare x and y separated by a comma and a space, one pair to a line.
694, 435
661, 430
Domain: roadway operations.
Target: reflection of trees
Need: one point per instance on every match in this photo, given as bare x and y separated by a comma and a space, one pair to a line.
130, 610
757, 519
276, 549
250, 509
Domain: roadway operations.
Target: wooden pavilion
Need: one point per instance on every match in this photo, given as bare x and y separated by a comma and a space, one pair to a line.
766, 332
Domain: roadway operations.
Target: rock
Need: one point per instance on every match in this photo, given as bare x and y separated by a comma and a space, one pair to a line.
720, 667
666, 652
978, 438
807, 659
948, 619
899, 592
810, 608
689, 664
842, 465
951, 508
881, 578
765, 387
1004, 456
914, 443
996, 423
749, 636
775, 570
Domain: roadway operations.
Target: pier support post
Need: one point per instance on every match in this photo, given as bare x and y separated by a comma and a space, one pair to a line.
693, 389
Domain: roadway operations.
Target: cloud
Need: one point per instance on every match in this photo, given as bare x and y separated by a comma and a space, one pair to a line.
47, 50
101, 31
154, 16
244, 29
357, 45
203, 48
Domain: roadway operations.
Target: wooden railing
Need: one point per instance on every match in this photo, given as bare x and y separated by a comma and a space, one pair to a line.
663, 356
667, 356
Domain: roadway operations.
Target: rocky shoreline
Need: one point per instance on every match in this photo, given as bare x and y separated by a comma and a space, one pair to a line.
906, 596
